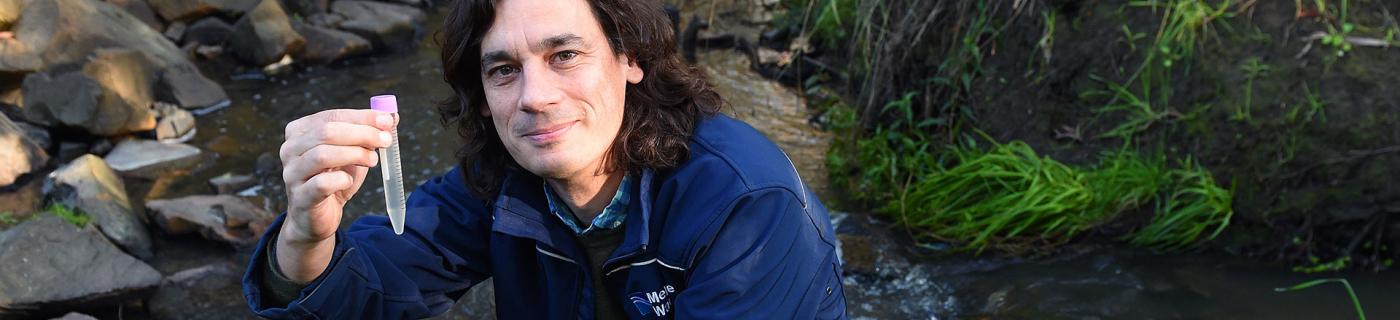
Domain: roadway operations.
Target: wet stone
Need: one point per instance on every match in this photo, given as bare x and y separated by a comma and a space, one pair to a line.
151, 159
175, 31
230, 183
67, 267
140, 10
264, 35
211, 291
208, 31
18, 154
325, 45
174, 124
386, 25
88, 184
75, 316
111, 95
224, 218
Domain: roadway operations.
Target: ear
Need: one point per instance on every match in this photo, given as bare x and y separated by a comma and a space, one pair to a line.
631, 70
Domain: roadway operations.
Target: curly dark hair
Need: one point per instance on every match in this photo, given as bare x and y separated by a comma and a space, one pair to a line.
661, 111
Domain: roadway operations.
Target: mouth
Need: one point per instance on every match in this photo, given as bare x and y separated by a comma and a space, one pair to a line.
547, 134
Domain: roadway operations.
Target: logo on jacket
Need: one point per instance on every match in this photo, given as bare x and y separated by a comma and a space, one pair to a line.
656, 303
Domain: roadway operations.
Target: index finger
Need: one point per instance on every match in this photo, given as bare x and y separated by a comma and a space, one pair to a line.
377, 119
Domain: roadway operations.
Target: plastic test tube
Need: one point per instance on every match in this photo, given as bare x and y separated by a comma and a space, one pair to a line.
389, 165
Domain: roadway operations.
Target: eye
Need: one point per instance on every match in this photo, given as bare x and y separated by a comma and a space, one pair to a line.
564, 56
501, 71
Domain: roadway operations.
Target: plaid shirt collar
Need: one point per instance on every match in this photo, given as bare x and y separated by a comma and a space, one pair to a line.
612, 216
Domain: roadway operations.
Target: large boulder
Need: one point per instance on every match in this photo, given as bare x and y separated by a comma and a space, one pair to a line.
60, 33
208, 31
187, 10
264, 35
386, 25
184, 86
110, 95
223, 218
325, 45
89, 185
307, 8
208, 292
140, 10
149, 159
18, 154
52, 265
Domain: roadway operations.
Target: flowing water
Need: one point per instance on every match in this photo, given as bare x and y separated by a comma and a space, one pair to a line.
889, 277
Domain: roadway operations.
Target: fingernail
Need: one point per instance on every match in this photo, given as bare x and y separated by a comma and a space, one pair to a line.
385, 139
384, 120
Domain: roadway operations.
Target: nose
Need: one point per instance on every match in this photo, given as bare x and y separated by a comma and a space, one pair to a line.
539, 89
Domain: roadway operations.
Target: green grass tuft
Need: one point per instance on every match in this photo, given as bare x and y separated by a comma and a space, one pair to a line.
71, 215
1196, 209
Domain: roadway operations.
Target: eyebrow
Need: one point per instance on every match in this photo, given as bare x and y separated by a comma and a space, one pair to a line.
551, 42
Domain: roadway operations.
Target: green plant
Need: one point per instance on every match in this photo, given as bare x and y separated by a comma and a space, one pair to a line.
75, 217
1185, 24
7, 218
1355, 302
1313, 107
1132, 37
1197, 205
1006, 197
1317, 266
1253, 69
1140, 113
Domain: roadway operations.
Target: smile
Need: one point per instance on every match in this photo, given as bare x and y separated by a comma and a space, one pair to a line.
550, 133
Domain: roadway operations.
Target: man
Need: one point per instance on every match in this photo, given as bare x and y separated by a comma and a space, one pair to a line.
597, 180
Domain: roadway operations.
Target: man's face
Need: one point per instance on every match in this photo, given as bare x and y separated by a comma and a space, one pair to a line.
554, 88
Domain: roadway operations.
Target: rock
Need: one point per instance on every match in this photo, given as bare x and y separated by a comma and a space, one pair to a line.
208, 31
54, 265
111, 95
264, 35
307, 8
9, 12
38, 135
187, 10
209, 52
67, 151
75, 316
101, 147
140, 10
67, 32
223, 218
211, 291
64, 32
385, 25
90, 186
174, 124
325, 20
325, 45
175, 31
184, 86
151, 159
415, 3
230, 183
18, 202
18, 154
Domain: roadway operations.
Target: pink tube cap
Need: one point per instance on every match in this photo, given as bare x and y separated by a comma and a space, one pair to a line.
385, 103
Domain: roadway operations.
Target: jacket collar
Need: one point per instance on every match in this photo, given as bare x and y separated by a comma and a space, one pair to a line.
521, 210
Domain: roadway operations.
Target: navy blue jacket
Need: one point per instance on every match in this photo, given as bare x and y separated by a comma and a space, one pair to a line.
733, 233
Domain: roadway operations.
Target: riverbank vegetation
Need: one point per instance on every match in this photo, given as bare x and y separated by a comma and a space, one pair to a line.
1256, 128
